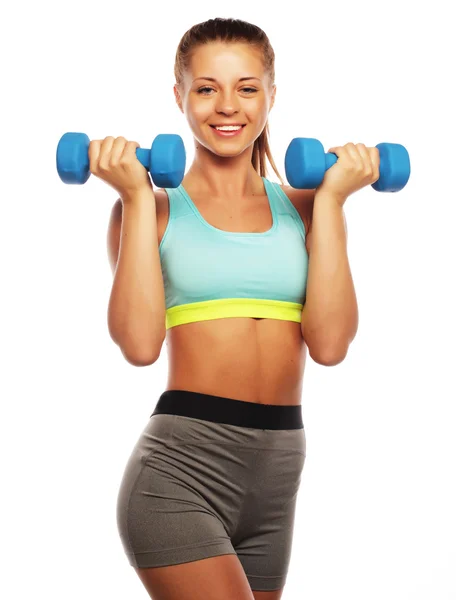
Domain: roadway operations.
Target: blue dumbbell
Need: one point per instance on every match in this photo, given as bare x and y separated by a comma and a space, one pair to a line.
306, 163
165, 160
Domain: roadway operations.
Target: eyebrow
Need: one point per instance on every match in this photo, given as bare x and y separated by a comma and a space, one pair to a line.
241, 79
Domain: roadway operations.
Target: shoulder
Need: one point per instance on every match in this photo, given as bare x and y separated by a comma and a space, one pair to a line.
160, 194
161, 202
303, 201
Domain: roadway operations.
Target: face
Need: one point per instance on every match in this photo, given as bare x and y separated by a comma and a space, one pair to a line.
227, 99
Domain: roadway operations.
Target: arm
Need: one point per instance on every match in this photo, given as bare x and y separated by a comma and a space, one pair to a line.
330, 315
136, 312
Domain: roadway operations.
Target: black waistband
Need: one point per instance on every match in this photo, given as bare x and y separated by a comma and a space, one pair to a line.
228, 410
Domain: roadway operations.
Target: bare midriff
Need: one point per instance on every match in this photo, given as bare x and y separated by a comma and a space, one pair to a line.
254, 360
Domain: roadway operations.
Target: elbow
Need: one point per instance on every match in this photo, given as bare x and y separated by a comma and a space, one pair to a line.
141, 357
330, 350
139, 353
328, 356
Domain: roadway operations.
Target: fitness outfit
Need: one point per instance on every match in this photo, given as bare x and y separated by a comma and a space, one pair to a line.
211, 475
212, 274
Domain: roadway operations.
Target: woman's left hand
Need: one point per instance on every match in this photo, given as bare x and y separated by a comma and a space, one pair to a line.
356, 167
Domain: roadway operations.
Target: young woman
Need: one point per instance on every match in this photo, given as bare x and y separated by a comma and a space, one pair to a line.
241, 276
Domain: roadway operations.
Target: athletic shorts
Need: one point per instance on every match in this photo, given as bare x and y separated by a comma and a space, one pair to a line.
210, 476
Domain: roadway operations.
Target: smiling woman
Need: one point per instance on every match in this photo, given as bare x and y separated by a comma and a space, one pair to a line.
233, 253
228, 53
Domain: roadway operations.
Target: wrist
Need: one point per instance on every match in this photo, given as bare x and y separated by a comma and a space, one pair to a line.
331, 198
138, 196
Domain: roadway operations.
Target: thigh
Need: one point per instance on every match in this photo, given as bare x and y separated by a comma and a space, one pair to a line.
165, 512
215, 578
276, 595
264, 537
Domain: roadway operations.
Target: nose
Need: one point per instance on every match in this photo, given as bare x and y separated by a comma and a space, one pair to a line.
227, 103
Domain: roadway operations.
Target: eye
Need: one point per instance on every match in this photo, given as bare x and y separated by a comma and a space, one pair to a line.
202, 90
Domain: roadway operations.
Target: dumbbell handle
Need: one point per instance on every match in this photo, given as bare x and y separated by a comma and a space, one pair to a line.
330, 160
143, 155
164, 160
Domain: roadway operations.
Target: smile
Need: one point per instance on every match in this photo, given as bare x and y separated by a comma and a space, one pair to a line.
227, 133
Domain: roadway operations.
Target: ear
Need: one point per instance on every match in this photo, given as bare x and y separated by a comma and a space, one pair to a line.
178, 98
274, 89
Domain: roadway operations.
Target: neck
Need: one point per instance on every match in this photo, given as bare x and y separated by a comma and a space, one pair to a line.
231, 179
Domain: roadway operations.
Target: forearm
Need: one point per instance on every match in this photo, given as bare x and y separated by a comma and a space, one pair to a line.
136, 313
330, 314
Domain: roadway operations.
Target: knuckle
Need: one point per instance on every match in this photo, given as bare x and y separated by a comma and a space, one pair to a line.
113, 161
129, 155
94, 145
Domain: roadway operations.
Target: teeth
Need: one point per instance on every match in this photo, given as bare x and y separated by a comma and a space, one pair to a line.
230, 128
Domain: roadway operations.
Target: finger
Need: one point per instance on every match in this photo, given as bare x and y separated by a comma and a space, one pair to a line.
94, 154
353, 153
117, 150
374, 154
335, 150
366, 158
128, 152
349, 155
105, 152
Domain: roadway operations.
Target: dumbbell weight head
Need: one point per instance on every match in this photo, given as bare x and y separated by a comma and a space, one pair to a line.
73, 158
394, 168
305, 163
165, 160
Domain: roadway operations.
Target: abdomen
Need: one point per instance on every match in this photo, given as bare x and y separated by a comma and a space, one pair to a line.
241, 358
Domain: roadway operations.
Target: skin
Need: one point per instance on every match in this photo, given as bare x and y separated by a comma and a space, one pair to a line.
255, 360
222, 167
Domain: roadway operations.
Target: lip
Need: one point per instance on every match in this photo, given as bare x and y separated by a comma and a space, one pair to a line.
227, 133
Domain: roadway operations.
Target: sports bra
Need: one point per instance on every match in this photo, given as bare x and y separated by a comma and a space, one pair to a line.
209, 273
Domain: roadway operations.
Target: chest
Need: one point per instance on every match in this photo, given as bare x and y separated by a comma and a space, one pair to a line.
256, 217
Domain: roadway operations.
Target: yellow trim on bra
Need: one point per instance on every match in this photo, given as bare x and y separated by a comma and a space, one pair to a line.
233, 307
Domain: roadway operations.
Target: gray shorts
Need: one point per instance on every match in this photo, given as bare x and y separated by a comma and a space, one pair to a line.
211, 476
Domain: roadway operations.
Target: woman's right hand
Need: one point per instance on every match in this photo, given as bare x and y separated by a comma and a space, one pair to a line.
115, 162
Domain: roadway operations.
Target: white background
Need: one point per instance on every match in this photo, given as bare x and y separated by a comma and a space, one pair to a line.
375, 516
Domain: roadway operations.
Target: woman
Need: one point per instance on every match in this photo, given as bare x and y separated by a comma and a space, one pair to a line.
241, 276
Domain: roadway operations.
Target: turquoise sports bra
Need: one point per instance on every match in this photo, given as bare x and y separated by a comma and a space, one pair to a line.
213, 274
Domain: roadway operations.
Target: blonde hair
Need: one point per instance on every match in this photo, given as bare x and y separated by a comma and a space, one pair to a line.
231, 31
